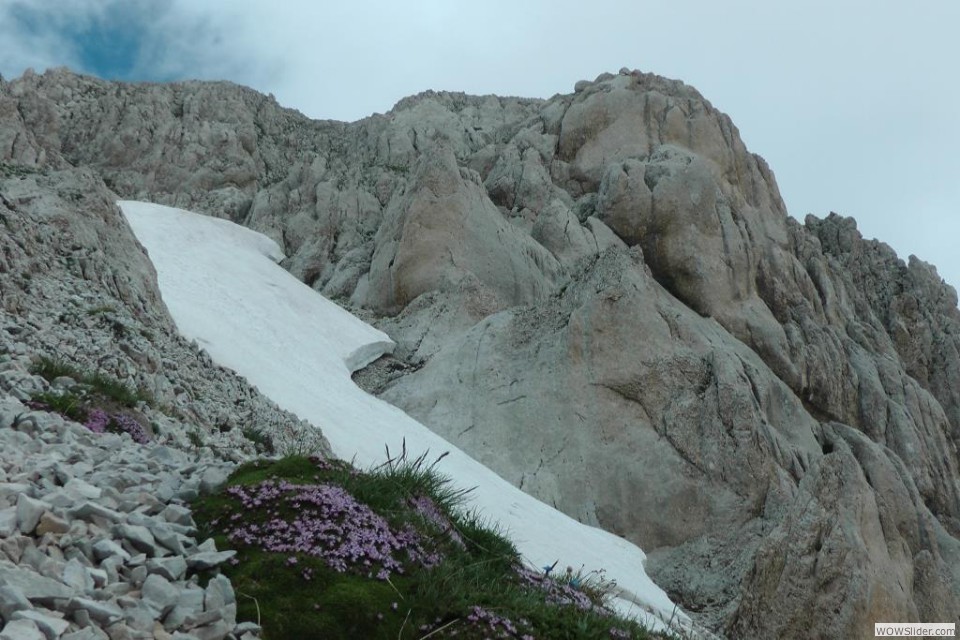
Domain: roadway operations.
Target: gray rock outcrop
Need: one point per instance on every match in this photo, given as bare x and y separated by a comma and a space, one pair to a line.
601, 297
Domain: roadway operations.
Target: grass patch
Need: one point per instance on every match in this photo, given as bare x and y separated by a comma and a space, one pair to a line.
102, 309
11, 170
100, 385
260, 439
66, 404
195, 436
328, 551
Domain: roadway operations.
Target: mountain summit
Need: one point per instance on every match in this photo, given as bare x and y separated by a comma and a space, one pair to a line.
600, 296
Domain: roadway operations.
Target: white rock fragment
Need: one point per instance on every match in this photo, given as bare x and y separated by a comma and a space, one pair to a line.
160, 594
102, 612
177, 514
172, 568
49, 523
208, 559
21, 630
106, 548
12, 599
49, 624
8, 521
78, 577
90, 510
29, 511
82, 490
36, 588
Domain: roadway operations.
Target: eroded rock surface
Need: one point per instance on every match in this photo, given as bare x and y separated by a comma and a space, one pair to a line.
601, 297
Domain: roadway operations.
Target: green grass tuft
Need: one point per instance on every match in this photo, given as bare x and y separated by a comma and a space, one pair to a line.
66, 404
260, 439
102, 309
101, 385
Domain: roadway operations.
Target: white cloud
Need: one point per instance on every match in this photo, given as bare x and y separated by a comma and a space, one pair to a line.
850, 102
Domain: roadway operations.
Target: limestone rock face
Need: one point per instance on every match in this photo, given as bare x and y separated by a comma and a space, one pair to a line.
446, 235
600, 296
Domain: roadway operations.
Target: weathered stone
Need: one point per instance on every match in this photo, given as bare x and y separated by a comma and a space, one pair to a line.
120, 631
208, 559
137, 575
78, 577
103, 612
12, 599
172, 568
246, 627
208, 545
50, 625
169, 538
29, 512
215, 631
213, 478
88, 633
203, 618
21, 630
50, 523
82, 490
107, 548
220, 597
8, 521
189, 605
177, 514
99, 577
34, 587
160, 594
89, 510
140, 617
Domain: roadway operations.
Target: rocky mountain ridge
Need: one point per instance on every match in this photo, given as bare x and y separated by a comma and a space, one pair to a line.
601, 297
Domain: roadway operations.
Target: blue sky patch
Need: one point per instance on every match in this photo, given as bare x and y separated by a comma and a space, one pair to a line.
108, 43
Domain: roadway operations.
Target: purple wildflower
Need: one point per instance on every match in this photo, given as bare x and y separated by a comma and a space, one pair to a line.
97, 420
122, 423
558, 592
329, 524
428, 510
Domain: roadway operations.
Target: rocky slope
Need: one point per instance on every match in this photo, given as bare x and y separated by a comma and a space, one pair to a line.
601, 297
95, 541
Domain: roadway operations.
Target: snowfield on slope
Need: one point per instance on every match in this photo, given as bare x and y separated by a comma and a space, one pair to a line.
224, 289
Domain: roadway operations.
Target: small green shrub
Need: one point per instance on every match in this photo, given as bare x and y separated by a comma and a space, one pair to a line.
195, 437
52, 368
66, 404
100, 385
260, 439
102, 309
11, 170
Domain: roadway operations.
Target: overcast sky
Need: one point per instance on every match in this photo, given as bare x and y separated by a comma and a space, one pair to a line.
853, 103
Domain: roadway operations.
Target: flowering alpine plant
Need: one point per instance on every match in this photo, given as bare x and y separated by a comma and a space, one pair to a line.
427, 508
125, 424
325, 522
99, 421
488, 624
558, 592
